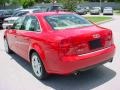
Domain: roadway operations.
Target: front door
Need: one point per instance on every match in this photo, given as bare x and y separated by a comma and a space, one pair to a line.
12, 34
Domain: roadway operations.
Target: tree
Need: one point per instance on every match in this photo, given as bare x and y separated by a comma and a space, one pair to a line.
27, 3
69, 4
47, 1
117, 1
3, 2
14, 2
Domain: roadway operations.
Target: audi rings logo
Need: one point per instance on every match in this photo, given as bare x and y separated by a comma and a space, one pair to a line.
96, 36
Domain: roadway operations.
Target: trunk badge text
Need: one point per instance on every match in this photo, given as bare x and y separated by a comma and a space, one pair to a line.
96, 36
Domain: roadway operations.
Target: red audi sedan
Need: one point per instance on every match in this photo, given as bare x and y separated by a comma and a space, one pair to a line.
59, 43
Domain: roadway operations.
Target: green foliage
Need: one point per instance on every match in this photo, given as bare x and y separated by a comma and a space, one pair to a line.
14, 2
2, 2
47, 1
40, 1
27, 3
117, 1
69, 4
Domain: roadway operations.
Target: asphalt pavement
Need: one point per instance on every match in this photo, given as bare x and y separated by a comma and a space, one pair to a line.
15, 73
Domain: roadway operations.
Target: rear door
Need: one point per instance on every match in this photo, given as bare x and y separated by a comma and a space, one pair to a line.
29, 29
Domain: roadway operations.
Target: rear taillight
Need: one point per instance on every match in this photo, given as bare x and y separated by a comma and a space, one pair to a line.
5, 21
109, 36
69, 47
81, 48
64, 45
109, 39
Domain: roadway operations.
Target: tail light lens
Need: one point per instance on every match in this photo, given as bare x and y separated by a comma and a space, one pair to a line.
109, 37
5, 21
67, 47
64, 45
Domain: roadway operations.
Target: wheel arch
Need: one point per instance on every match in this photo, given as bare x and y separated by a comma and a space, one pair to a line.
41, 54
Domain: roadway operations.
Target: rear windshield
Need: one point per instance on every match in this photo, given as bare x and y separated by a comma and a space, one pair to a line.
66, 21
56, 8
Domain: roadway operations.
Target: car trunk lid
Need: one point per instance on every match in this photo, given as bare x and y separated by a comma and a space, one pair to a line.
83, 40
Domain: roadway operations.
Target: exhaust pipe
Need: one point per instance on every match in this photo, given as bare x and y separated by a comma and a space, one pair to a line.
77, 73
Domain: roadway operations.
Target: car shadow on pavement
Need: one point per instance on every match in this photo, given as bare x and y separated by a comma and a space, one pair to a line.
21, 62
85, 81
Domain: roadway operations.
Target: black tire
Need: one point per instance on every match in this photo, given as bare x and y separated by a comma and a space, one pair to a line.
6, 45
42, 74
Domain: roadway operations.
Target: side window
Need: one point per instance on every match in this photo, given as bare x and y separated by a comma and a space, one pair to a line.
26, 23
30, 24
48, 9
34, 26
22, 13
18, 23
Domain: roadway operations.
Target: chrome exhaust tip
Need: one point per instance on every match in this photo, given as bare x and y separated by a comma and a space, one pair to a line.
77, 73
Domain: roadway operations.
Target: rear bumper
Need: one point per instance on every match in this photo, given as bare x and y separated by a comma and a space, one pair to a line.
70, 64
97, 13
108, 13
5, 25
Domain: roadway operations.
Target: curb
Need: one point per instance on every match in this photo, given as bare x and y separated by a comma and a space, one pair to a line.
104, 21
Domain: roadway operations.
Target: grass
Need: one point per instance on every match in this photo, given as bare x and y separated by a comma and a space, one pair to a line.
117, 12
98, 19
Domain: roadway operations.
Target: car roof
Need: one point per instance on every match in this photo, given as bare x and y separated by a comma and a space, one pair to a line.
29, 10
11, 18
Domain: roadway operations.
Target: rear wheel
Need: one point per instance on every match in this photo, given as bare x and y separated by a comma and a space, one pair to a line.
38, 67
7, 49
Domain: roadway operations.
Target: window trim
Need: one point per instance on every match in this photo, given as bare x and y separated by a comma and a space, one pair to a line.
39, 24
39, 30
15, 22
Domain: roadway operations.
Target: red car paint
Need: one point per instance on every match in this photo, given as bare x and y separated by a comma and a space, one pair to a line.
63, 51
